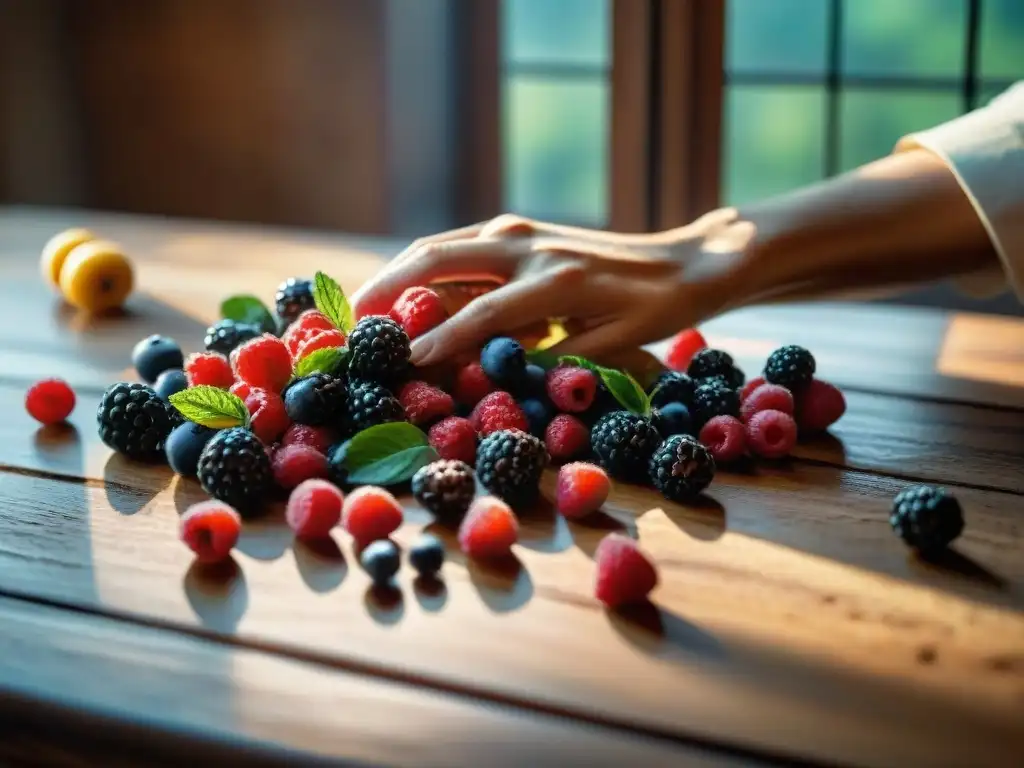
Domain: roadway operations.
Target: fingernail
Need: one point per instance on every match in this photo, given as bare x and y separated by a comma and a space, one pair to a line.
420, 350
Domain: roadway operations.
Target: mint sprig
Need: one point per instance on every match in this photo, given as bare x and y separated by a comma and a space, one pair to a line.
212, 407
386, 454
327, 360
245, 308
331, 301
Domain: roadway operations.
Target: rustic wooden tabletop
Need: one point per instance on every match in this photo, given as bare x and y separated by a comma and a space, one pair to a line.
791, 625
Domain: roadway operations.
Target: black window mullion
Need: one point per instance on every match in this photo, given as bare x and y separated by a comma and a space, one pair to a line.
833, 84
971, 51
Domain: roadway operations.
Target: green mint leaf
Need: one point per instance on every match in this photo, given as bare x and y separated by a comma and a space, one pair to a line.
393, 469
327, 360
626, 390
248, 309
580, 362
212, 407
543, 358
331, 301
381, 441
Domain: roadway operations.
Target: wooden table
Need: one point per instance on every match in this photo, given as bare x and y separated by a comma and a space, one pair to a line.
791, 624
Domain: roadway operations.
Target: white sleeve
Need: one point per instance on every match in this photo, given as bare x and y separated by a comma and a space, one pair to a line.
985, 150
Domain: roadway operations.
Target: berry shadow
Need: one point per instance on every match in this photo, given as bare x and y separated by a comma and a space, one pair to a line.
660, 633
55, 442
384, 603
187, 492
503, 584
431, 593
702, 518
217, 593
267, 538
542, 529
131, 499
320, 562
588, 531
958, 565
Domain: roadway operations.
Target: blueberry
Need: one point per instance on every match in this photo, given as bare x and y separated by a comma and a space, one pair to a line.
534, 382
539, 413
673, 419
169, 382
156, 354
184, 446
504, 361
427, 555
380, 560
302, 402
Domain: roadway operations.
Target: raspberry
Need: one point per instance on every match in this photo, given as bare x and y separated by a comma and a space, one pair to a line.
321, 340
314, 507
310, 323
371, 513
318, 438
50, 401
624, 573
418, 310
683, 346
571, 389
819, 406
454, 438
269, 419
472, 385
750, 387
423, 403
581, 489
489, 529
566, 437
926, 518
209, 369
497, 411
294, 464
791, 366
771, 434
264, 362
241, 389
210, 529
769, 397
725, 438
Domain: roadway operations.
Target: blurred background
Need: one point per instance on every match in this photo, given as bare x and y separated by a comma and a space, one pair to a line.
403, 117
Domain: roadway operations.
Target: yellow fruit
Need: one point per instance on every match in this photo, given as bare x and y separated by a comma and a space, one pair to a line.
57, 249
96, 276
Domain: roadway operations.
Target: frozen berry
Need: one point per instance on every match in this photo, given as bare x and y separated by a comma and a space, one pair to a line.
380, 560
926, 518
314, 506
331, 339
624, 573
423, 403
318, 438
504, 361
489, 529
445, 487
209, 369
211, 530
673, 419
454, 438
538, 412
426, 555
418, 310
472, 385
240, 390
371, 513
268, 416
571, 389
791, 366
681, 468
50, 401
769, 397
294, 464
819, 406
771, 434
294, 296
725, 437
264, 363
581, 489
170, 382
750, 387
378, 350
566, 437
683, 346
154, 355
497, 411
185, 445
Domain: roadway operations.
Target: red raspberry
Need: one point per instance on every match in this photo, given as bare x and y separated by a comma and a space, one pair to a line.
319, 438
571, 389
499, 410
424, 403
241, 389
269, 419
771, 434
624, 573
472, 385
566, 437
210, 369
751, 386
294, 464
683, 346
454, 438
314, 508
320, 340
767, 397
725, 437
489, 528
50, 401
819, 406
581, 489
294, 338
264, 362
312, 320
371, 513
210, 529
418, 310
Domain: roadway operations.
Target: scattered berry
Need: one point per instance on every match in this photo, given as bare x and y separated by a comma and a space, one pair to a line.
489, 529
769, 397
234, 467
294, 464
240, 390
425, 404
445, 487
418, 310
750, 387
581, 489
497, 411
378, 350
504, 362
725, 438
571, 389
819, 406
170, 382
294, 296
714, 398
681, 468
264, 362
211, 530
133, 420
331, 339
426, 555
269, 419
623, 443
472, 385
709, 363
371, 513
154, 355
314, 506
319, 399
50, 401
624, 573
683, 346
792, 367
224, 336
318, 438
566, 437
672, 387
926, 518
509, 464
380, 560
771, 434
454, 438
673, 419
208, 369
538, 412
185, 445
370, 404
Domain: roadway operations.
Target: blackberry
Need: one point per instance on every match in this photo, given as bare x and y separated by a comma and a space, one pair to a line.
294, 296
714, 399
319, 399
133, 420
509, 464
672, 387
714, 362
926, 518
681, 468
445, 487
623, 443
378, 350
225, 335
791, 367
370, 404
234, 467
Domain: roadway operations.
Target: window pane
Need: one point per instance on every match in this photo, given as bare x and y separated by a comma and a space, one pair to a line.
774, 139
777, 36
873, 121
556, 31
989, 91
556, 137
904, 37
1002, 33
